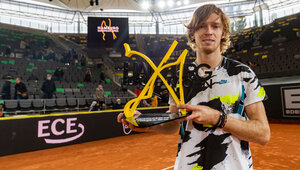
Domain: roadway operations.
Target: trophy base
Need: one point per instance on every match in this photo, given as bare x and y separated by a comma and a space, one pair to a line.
152, 119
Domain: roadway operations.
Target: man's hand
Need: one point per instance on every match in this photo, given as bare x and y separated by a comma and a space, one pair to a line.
120, 119
201, 114
255, 129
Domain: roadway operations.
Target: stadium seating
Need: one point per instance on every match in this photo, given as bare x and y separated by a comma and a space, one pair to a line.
271, 50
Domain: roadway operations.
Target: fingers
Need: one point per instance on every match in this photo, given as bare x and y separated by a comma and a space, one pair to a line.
192, 117
119, 118
188, 107
137, 114
133, 127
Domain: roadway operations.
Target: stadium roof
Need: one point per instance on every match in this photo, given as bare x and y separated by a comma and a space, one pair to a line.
129, 5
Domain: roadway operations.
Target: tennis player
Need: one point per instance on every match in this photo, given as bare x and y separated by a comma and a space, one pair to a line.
227, 110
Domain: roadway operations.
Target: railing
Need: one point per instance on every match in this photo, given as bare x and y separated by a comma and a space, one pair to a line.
52, 106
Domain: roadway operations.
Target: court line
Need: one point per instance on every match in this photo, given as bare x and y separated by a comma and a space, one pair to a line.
168, 167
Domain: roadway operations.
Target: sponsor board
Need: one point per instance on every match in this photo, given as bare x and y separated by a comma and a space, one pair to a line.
290, 98
30, 133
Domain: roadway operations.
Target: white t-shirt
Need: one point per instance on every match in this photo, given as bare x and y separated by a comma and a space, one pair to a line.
230, 88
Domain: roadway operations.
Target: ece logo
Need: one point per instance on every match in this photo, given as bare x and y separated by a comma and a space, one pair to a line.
69, 124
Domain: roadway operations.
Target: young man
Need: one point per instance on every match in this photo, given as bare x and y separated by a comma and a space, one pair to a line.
227, 109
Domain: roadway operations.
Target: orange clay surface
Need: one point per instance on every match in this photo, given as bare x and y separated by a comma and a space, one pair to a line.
150, 151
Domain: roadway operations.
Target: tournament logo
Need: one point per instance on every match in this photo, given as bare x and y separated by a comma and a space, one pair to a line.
49, 129
108, 28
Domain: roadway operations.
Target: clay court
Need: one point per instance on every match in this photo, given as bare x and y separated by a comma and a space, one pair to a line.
151, 151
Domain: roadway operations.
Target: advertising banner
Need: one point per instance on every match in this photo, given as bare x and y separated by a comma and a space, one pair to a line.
23, 134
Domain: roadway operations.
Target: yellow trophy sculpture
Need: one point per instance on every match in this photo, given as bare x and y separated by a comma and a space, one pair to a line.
147, 92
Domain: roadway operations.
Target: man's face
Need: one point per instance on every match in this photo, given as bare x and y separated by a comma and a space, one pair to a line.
118, 101
208, 36
18, 81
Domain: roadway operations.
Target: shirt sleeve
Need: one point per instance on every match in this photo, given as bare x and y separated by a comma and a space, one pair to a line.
253, 89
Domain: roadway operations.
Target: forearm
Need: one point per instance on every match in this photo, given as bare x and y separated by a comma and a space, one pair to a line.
256, 129
248, 130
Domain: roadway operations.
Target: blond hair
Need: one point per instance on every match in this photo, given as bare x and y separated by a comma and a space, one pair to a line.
200, 15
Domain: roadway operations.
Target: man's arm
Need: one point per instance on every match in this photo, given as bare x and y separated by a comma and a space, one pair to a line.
256, 129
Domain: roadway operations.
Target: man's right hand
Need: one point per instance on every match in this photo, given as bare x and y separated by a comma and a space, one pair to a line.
120, 119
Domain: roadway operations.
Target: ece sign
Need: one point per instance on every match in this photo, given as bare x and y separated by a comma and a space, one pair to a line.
290, 98
69, 130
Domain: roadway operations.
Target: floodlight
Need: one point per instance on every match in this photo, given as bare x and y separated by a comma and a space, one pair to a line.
161, 4
145, 5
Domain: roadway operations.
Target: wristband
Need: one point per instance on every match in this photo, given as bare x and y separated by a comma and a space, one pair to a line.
219, 121
224, 120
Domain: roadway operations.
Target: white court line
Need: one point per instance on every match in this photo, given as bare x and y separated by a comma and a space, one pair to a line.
168, 167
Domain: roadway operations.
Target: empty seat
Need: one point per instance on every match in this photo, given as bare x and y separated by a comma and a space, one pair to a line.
49, 104
61, 102
79, 95
108, 101
82, 103
11, 106
37, 96
89, 102
25, 105
70, 96
71, 103
60, 95
76, 90
68, 91
38, 104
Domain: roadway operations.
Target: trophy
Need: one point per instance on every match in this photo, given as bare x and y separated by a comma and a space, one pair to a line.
151, 119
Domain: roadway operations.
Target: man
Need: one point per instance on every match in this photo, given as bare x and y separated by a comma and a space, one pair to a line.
20, 90
48, 87
227, 109
118, 104
5, 92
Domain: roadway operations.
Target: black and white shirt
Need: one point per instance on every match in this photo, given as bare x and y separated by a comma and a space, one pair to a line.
228, 88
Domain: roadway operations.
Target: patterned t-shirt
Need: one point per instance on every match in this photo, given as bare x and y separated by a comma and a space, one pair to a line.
228, 88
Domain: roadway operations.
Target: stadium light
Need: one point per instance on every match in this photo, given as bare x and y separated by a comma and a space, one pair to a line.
178, 3
161, 4
170, 3
185, 2
145, 5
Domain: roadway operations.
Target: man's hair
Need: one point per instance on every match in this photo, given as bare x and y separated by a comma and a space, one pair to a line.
200, 15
